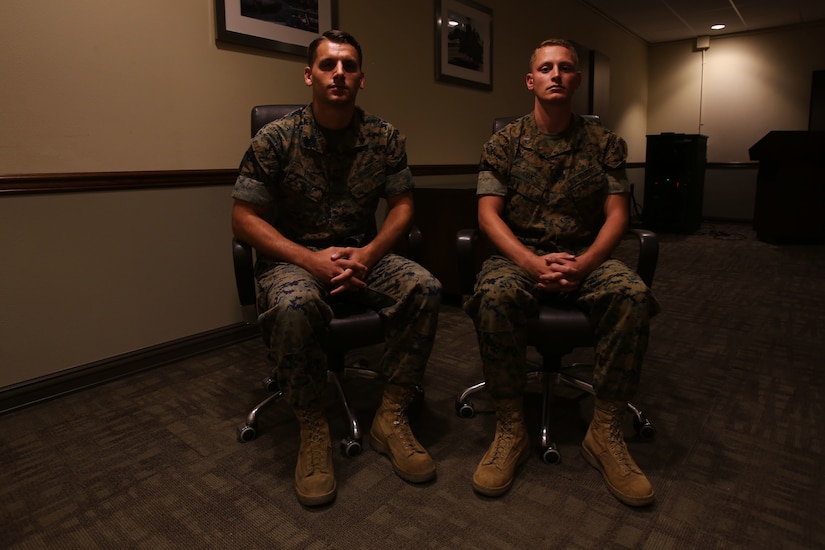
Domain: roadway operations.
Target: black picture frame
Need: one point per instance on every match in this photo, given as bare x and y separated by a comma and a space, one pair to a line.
464, 43
254, 24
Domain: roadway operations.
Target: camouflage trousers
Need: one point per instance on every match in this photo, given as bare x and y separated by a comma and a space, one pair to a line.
618, 302
296, 310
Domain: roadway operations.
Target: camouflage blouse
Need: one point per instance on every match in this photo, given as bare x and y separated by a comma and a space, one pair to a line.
554, 186
322, 187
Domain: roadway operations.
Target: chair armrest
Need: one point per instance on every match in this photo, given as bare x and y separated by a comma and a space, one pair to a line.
648, 253
243, 262
467, 258
415, 244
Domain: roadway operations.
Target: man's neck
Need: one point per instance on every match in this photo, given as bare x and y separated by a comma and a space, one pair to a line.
333, 117
553, 118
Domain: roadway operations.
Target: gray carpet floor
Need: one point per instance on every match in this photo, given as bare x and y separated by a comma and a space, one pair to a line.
733, 382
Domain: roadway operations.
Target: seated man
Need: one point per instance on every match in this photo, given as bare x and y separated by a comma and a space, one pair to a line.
553, 200
305, 199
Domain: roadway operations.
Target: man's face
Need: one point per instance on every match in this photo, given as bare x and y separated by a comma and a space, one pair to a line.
553, 76
335, 76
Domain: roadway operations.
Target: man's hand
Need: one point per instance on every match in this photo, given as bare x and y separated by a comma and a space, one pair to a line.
347, 270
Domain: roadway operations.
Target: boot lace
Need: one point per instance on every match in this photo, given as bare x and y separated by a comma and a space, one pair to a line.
503, 442
315, 440
401, 427
616, 444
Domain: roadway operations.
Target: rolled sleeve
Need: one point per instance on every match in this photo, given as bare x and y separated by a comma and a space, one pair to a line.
399, 182
490, 184
252, 191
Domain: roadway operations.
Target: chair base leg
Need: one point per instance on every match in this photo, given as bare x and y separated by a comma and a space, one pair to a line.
352, 442
549, 379
249, 429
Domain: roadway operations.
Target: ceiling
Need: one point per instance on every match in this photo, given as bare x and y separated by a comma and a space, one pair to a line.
668, 20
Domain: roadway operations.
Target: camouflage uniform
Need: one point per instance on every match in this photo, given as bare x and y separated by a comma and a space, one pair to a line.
555, 188
323, 190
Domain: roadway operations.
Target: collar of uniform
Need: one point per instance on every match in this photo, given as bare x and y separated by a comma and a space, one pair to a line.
570, 139
313, 138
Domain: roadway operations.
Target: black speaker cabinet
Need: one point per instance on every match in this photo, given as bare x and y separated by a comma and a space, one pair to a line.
674, 182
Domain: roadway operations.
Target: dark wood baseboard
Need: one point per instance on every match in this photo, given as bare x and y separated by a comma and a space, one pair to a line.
79, 378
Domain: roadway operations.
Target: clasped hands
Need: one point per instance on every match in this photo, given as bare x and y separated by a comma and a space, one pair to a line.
558, 272
342, 268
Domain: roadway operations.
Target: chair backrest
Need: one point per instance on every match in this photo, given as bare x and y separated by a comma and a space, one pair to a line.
264, 114
501, 122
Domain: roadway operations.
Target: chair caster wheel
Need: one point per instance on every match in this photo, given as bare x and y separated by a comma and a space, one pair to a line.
551, 455
350, 447
270, 384
246, 433
465, 410
645, 429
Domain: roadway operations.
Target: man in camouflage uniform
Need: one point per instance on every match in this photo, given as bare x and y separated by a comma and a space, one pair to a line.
553, 200
305, 199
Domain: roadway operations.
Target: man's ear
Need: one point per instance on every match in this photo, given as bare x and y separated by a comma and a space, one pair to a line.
308, 76
529, 81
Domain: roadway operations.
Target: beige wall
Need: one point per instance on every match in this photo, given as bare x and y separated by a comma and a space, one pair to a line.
103, 86
741, 88
98, 86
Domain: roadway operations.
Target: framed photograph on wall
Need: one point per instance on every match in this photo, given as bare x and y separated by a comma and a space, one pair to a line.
464, 43
286, 26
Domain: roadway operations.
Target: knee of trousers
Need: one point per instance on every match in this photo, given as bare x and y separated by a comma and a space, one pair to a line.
296, 319
496, 306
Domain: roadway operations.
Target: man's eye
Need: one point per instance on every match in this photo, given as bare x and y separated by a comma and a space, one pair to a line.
326, 65
350, 66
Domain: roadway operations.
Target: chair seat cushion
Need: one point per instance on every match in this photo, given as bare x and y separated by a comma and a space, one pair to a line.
559, 330
353, 329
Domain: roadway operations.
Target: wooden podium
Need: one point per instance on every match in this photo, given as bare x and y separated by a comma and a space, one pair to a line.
790, 187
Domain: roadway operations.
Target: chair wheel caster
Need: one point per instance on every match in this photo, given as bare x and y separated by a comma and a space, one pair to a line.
246, 433
551, 455
465, 410
270, 384
350, 447
645, 429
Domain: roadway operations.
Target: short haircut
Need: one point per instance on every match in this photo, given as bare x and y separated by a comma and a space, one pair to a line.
556, 42
334, 35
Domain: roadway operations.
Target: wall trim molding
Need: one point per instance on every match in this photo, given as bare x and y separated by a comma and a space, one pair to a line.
79, 378
84, 182
28, 184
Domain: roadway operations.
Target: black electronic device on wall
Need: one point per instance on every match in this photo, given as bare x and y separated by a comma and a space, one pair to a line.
674, 182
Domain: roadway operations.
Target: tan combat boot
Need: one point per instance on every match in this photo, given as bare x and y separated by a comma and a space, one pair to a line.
314, 476
391, 435
604, 448
510, 448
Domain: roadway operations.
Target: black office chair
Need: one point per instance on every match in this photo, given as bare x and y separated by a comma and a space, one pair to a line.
351, 328
554, 333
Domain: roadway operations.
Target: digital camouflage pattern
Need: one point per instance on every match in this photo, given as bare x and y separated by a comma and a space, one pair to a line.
323, 190
296, 311
554, 189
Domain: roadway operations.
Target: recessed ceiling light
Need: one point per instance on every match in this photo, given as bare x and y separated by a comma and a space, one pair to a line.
717, 27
